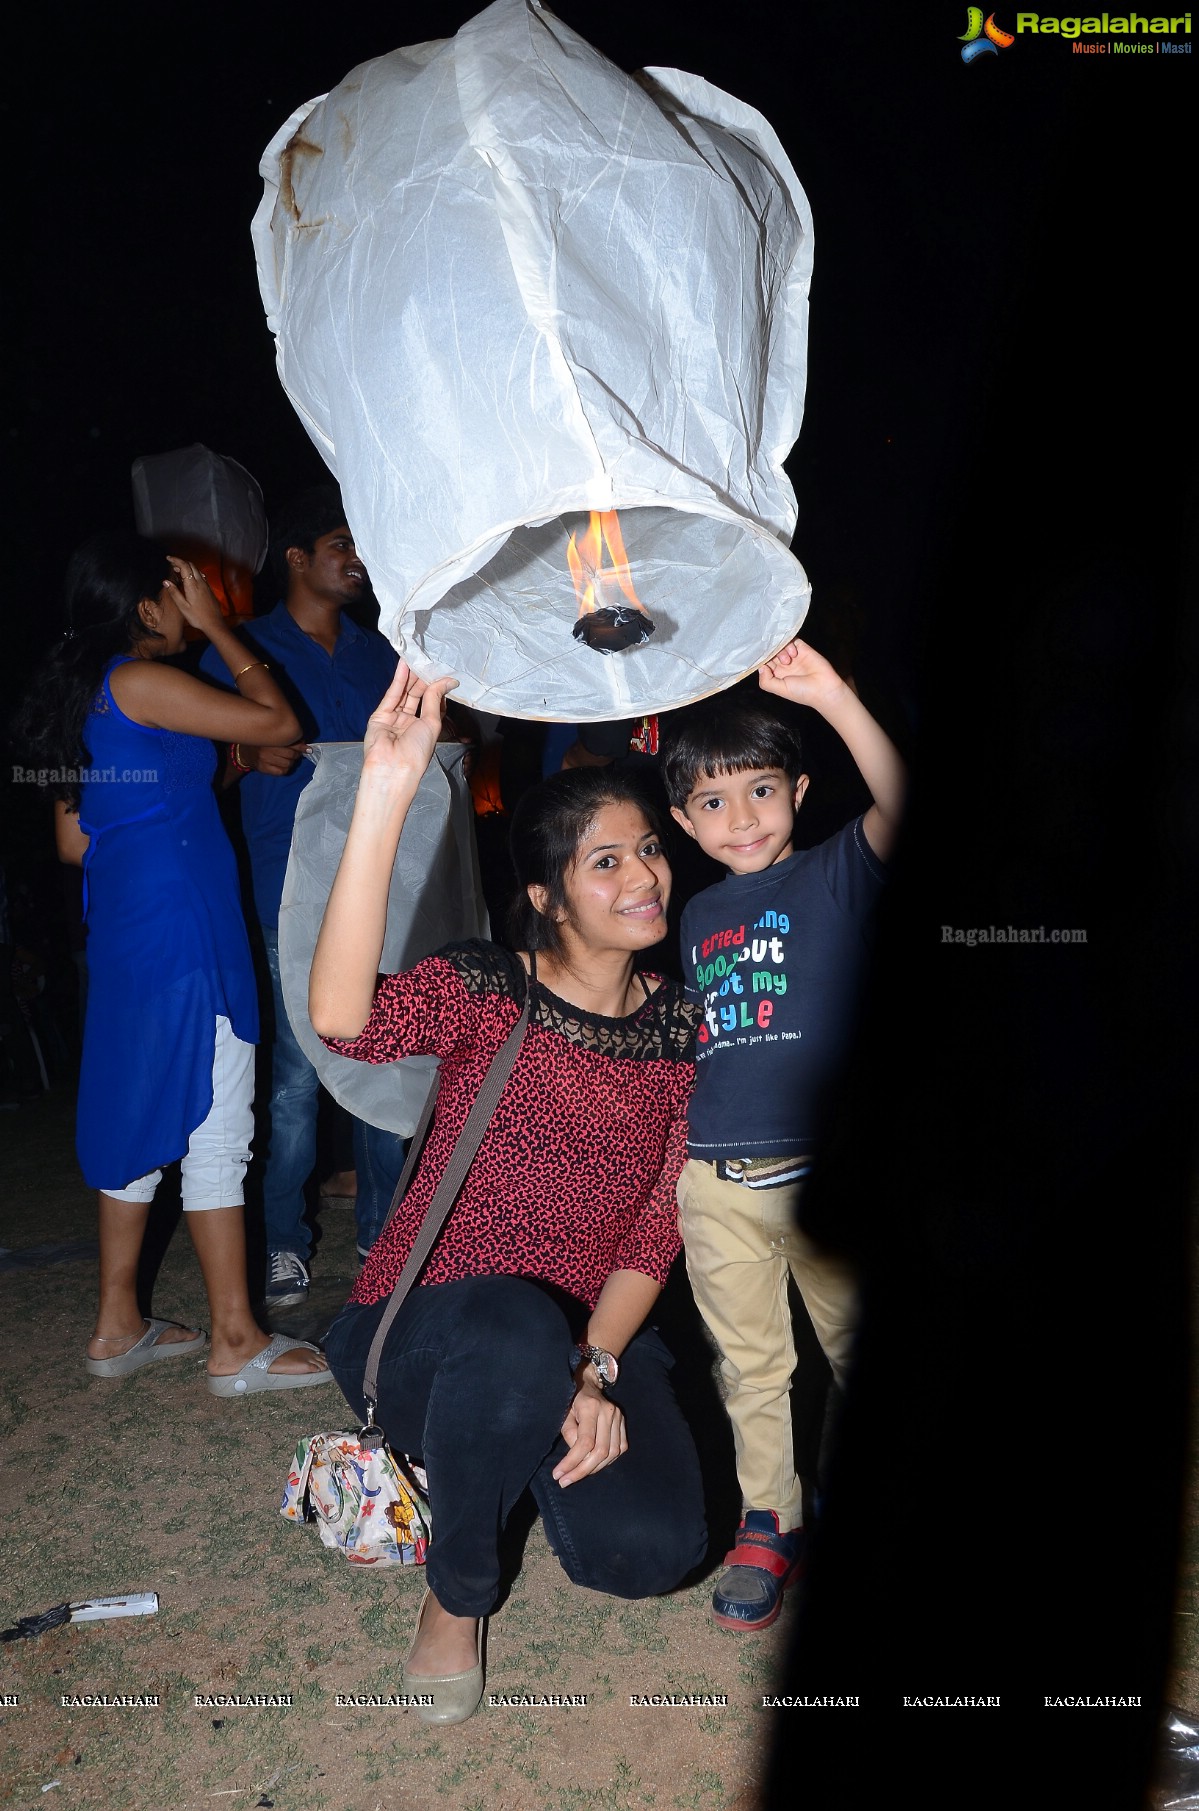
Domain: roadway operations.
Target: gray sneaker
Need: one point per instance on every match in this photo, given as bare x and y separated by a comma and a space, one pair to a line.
286, 1280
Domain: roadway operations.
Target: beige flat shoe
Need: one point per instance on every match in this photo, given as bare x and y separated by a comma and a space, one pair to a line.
456, 1696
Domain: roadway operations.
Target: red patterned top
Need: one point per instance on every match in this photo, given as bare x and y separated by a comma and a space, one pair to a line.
576, 1173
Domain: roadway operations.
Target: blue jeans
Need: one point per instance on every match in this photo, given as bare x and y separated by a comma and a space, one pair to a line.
378, 1159
287, 1140
475, 1381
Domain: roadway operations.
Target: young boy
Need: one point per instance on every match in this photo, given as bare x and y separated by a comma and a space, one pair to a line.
774, 954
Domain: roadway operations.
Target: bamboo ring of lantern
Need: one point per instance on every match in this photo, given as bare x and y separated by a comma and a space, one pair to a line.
547, 325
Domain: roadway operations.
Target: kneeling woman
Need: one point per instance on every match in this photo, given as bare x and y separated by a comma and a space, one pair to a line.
522, 1360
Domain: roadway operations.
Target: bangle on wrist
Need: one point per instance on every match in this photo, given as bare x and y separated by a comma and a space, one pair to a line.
235, 757
247, 667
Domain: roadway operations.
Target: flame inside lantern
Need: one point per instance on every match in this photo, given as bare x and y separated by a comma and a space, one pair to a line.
604, 623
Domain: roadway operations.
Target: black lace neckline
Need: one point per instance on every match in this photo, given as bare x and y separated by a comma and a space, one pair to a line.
663, 1025
567, 1008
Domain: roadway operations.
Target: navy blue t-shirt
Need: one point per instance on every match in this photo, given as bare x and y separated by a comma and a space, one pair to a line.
332, 695
775, 960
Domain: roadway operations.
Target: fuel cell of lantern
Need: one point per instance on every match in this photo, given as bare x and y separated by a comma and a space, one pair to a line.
615, 627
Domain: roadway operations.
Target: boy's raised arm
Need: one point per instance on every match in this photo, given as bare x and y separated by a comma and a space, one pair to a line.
799, 673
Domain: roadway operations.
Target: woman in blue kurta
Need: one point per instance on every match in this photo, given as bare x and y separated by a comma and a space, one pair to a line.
172, 1017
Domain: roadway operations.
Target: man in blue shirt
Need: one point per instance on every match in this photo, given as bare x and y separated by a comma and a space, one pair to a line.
334, 674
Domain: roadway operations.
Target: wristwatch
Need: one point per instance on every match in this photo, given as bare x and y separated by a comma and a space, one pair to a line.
605, 1366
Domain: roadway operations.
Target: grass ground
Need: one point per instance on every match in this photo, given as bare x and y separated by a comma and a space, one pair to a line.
150, 1483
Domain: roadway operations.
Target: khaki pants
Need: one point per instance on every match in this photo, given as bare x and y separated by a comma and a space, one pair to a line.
742, 1244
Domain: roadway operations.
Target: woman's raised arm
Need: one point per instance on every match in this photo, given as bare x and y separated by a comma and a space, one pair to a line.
163, 698
399, 743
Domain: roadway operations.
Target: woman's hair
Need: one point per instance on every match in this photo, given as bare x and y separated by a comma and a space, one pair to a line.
548, 825
107, 578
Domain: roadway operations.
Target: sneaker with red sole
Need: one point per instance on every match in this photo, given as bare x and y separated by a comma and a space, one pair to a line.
763, 1562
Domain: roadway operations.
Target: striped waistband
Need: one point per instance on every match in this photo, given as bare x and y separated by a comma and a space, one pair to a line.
762, 1172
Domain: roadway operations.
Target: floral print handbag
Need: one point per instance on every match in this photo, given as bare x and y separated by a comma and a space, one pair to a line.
364, 1501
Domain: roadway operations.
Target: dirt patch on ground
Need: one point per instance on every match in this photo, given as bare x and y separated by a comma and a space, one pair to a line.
151, 1484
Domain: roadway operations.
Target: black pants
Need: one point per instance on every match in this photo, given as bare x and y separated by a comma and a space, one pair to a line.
475, 1381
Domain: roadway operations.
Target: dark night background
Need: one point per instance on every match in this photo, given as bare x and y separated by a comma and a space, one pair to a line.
997, 486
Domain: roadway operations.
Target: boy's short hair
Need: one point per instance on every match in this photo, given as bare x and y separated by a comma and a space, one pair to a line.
301, 522
726, 735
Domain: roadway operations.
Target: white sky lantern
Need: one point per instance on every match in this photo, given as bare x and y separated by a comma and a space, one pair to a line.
547, 324
208, 508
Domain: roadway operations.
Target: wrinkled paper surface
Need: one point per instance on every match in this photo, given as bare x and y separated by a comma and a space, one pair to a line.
204, 496
436, 897
511, 284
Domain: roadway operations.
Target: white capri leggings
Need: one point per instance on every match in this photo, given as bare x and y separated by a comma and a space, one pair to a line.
214, 1166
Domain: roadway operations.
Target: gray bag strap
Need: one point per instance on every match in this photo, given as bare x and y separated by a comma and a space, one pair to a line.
446, 1192
416, 1145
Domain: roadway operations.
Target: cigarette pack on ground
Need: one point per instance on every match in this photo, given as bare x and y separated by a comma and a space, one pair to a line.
89, 1609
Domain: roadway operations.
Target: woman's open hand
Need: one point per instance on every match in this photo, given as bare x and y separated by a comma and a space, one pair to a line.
403, 732
594, 1430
